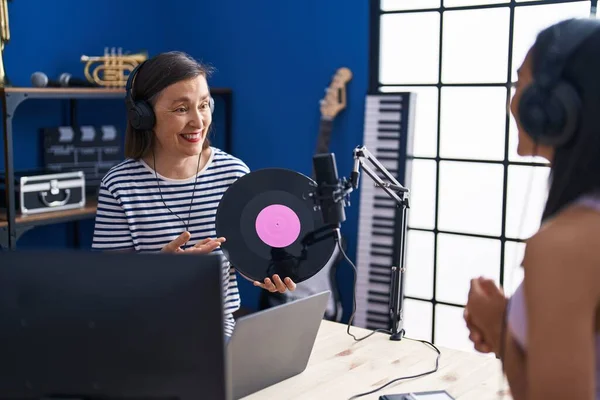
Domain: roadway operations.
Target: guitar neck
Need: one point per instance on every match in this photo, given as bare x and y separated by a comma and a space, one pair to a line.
324, 138
325, 128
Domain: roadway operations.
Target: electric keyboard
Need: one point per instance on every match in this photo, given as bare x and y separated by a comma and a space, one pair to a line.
388, 135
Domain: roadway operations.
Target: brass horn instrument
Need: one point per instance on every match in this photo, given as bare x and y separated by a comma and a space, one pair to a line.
4, 38
114, 68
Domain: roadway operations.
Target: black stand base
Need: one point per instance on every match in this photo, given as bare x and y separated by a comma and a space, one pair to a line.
397, 336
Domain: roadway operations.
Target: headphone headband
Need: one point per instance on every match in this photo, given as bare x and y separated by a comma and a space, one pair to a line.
131, 77
549, 108
565, 39
129, 83
140, 113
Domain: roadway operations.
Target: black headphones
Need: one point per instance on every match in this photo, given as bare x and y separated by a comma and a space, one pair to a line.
549, 108
140, 112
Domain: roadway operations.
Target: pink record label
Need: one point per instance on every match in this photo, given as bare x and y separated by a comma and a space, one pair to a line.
277, 225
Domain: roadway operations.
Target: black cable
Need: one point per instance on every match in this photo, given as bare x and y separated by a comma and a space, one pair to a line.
193, 191
437, 363
437, 359
354, 300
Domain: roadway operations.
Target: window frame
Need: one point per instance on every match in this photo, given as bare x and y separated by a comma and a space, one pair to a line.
375, 86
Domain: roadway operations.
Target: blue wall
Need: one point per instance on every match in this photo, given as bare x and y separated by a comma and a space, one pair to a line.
51, 36
278, 62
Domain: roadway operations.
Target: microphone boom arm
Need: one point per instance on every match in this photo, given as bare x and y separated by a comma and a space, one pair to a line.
401, 195
360, 154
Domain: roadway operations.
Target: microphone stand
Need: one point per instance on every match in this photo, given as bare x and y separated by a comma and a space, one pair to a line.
400, 194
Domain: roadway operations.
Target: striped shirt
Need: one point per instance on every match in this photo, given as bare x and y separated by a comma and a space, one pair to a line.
132, 216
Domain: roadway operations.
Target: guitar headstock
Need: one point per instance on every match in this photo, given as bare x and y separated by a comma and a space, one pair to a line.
335, 95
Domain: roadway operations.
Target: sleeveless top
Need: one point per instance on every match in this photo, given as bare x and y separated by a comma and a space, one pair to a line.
517, 313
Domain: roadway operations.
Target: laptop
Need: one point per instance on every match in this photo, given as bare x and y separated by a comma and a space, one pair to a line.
275, 344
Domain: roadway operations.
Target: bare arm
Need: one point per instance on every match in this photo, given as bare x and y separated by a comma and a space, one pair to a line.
560, 292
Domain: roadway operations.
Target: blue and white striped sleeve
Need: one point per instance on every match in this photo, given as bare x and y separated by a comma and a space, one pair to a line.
111, 230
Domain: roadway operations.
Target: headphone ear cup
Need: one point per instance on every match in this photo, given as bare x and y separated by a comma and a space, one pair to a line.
550, 118
211, 104
532, 114
142, 116
134, 117
564, 107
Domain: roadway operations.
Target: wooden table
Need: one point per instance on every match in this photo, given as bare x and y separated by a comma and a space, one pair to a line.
340, 368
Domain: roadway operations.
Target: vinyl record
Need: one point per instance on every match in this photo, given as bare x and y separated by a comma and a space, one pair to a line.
268, 221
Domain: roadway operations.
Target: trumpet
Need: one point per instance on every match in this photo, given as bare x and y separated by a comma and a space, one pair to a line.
4, 38
114, 69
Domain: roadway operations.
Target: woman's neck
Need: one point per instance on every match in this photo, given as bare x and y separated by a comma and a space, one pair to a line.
176, 167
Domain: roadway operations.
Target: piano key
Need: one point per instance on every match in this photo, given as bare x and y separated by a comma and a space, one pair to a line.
394, 100
385, 212
385, 241
388, 144
379, 270
381, 260
392, 127
380, 233
395, 122
385, 200
389, 138
382, 222
387, 158
374, 292
374, 280
382, 246
384, 152
378, 316
388, 108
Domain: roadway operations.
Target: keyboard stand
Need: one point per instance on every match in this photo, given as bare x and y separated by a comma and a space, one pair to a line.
401, 195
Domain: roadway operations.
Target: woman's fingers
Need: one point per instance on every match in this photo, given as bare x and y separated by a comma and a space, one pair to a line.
268, 285
175, 245
291, 285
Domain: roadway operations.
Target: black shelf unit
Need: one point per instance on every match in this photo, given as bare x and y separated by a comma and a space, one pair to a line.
12, 226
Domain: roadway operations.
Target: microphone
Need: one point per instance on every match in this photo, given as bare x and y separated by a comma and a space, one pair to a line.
355, 174
330, 191
40, 79
66, 80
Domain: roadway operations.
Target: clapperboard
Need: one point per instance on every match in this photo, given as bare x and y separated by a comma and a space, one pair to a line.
91, 149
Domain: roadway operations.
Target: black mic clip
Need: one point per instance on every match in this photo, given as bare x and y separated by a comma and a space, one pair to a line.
338, 192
